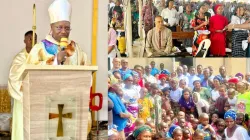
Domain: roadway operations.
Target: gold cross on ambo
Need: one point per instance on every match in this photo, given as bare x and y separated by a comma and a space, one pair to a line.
60, 116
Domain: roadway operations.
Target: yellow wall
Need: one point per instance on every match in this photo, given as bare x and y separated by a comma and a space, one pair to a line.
233, 65
214, 62
236, 65
168, 62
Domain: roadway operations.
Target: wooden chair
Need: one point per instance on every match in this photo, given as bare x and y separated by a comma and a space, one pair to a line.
179, 34
207, 44
182, 35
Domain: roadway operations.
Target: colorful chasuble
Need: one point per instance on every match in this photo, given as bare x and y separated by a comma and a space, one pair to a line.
45, 52
50, 47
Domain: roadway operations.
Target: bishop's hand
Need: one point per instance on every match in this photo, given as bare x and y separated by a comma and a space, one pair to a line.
61, 57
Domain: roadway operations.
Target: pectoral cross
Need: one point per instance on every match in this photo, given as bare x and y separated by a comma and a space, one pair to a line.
60, 116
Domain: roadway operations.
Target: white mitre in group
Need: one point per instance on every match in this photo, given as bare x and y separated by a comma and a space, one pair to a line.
60, 10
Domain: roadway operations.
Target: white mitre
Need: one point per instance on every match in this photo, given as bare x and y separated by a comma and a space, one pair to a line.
60, 10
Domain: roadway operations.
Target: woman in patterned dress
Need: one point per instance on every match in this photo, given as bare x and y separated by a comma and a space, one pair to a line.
149, 12
130, 97
200, 22
186, 24
238, 35
156, 113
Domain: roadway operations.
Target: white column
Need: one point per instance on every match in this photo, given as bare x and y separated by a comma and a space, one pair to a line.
173, 65
102, 38
248, 65
128, 27
144, 2
140, 19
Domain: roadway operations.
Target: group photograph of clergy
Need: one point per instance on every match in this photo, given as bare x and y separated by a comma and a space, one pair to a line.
168, 28
161, 99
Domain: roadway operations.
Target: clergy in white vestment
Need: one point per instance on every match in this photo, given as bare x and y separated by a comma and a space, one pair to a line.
15, 86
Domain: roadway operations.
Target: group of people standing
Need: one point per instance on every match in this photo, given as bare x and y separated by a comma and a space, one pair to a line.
188, 103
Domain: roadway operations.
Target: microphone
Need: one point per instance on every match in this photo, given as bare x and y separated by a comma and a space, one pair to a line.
63, 45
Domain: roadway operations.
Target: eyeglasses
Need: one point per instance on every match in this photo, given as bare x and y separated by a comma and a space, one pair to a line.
59, 29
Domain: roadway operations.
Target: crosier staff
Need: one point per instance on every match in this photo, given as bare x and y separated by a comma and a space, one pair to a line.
34, 25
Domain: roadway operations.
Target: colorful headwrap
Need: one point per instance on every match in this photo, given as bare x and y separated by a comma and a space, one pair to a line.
162, 76
165, 72
216, 7
126, 76
134, 73
233, 80
172, 129
219, 78
239, 74
230, 114
141, 129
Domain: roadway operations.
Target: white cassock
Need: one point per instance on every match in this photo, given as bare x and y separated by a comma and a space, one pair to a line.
14, 88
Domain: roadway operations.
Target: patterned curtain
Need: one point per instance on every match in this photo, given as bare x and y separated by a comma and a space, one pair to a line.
5, 100
5, 112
